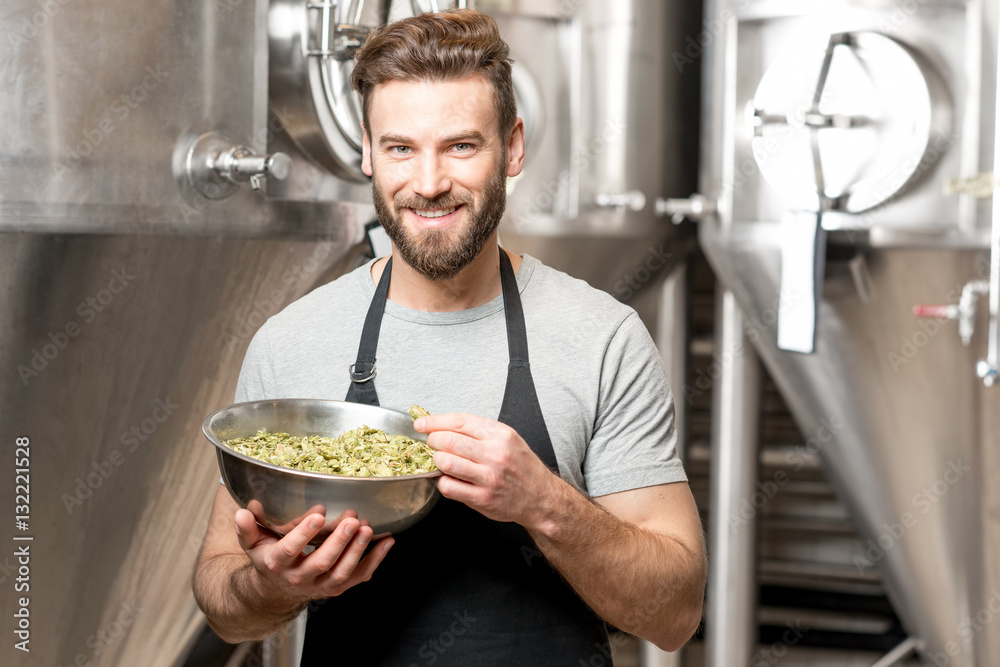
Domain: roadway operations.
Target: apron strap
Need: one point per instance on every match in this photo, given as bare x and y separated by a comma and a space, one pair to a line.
520, 408
362, 371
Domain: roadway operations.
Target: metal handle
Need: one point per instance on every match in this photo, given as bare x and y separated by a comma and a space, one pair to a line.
339, 41
214, 168
694, 208
633, 201
240, 165
964, 311
815, 120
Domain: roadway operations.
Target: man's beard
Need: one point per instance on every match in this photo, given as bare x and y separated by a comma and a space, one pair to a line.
440, 254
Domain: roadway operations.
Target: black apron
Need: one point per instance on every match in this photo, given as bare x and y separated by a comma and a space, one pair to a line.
458, 588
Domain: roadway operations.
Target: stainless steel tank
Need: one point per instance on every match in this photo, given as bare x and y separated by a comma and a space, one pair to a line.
136, 261
616, 111
849, 146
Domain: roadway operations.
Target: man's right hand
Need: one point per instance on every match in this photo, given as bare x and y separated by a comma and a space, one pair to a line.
288, 575
249, 582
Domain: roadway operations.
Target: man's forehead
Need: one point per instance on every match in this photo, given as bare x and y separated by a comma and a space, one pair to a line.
433, 108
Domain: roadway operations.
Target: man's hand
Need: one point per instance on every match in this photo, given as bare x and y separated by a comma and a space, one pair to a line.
487, 466
291, 576
636, 557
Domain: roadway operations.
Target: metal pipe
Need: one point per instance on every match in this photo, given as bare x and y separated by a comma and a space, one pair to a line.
284, 648
672, 342
732, 586
905, 649
988, 368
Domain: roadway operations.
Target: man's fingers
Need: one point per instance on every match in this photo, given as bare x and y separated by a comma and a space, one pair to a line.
364, 570
333, 547
459, 466
455, 489
459, 422
350, 557
289, 548
249, 533
458, 444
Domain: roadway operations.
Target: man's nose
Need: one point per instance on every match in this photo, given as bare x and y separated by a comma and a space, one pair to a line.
430, 178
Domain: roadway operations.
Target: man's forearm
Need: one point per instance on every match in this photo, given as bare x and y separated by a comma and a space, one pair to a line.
229, 592
643, 582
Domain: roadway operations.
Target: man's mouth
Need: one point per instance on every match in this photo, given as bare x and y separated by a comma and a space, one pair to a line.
434, 213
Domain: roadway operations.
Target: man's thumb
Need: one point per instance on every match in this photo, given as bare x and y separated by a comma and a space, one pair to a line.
247, 530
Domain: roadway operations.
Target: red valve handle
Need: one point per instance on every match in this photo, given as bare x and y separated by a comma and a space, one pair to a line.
940, 312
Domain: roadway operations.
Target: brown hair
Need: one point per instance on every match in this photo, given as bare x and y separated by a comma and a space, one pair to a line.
437, 47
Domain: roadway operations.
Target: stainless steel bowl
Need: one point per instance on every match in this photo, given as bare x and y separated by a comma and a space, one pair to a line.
282, 497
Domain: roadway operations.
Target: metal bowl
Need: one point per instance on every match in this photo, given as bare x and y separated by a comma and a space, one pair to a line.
282, 497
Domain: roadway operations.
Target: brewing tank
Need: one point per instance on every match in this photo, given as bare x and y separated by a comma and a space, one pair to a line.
849, 162
137, 259
617, 112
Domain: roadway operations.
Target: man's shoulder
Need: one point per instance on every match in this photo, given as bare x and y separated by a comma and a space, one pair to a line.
555, 289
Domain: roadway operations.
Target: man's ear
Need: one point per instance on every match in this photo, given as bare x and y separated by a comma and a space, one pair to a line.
366, 152
515, 148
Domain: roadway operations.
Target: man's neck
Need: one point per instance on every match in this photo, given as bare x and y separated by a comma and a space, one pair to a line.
476, 284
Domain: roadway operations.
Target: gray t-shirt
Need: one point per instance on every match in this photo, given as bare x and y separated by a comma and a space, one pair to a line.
597, 373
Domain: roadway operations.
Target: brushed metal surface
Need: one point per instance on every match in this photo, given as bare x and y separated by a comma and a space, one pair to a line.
127, 304
98, 96
898, 407
902, 424
322, 113
946, 40
122, 478
282, 497
618, 112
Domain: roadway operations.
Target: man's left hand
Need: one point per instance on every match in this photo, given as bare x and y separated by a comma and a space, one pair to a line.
487, 466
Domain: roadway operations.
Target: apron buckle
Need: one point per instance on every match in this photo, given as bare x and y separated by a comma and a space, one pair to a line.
361, 380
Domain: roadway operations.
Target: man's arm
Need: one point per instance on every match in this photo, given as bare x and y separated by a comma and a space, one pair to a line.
636, 557
249, 583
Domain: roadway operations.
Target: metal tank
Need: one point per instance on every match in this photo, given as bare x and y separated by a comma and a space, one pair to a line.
617, 117
848, 163
139, 252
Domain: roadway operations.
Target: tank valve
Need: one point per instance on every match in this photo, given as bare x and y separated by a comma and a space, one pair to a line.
240, 165
214, 167
987, 372
633, 201
695, 208
964, 311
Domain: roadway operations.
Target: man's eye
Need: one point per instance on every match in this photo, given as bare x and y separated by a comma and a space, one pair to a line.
461, 148
400, 150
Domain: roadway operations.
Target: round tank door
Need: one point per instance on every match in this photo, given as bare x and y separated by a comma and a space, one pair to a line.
312, 47
846, 126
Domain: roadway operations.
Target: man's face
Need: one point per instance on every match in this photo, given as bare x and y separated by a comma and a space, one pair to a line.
439, 168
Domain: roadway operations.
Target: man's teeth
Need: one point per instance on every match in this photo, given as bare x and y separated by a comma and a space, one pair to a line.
435, 214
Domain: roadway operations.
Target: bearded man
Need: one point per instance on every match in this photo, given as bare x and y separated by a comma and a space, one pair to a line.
564, 506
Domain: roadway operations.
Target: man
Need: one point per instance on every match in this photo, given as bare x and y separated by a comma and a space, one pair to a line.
515, 565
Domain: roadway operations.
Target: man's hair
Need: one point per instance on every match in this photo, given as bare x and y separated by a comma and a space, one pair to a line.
438, 47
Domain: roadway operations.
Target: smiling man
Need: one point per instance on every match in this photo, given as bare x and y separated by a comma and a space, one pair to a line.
564, 504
